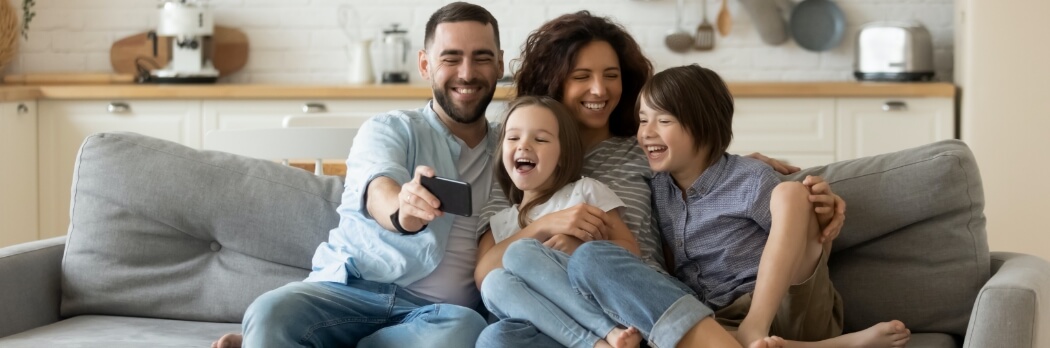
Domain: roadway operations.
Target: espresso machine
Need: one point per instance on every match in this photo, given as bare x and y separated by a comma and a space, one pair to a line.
187, 26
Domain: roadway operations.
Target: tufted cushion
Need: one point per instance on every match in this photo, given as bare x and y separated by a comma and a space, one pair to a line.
161, 230
914, 246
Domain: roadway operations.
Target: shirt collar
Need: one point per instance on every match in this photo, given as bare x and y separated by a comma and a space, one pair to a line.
491, 138
709, 177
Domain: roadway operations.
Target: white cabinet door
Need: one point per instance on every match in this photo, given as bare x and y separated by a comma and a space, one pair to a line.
251, 114
64, 124
800, 131
872, 126
18, 176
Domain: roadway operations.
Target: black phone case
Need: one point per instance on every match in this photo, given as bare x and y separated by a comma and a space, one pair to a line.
454, 195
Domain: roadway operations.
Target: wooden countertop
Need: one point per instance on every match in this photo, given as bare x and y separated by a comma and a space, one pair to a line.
253, 91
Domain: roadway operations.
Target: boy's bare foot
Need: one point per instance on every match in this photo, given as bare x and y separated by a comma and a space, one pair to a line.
230, 340
624, 338
889, 334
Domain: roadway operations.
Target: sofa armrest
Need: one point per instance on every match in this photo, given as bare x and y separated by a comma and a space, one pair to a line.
31, 291
1013, 307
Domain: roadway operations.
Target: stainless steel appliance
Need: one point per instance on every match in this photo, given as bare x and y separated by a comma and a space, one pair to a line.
394, 48
893, 51
190, 26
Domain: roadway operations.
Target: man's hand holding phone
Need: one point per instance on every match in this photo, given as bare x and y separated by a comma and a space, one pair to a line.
417, 206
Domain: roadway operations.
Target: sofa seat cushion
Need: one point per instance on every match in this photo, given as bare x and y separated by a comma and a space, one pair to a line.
116, 332
161, 230
914, 245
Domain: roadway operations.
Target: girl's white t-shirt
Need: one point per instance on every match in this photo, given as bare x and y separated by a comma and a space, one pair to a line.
586, 190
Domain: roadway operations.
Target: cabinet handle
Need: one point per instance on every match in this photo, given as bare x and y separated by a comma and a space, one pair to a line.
894, 105
118, 108
22, 109
313, 108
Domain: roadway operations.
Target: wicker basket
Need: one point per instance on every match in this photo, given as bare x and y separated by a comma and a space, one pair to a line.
8, 33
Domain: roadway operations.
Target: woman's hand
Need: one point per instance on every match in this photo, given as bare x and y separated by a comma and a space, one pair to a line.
564, 243
829, 207
780, 167
582, 221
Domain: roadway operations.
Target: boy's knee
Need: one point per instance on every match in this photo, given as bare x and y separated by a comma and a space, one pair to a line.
790, 193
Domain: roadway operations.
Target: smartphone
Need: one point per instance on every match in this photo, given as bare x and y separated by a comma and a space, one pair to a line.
453, 194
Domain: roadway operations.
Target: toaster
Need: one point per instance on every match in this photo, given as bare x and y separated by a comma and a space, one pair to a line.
893, 51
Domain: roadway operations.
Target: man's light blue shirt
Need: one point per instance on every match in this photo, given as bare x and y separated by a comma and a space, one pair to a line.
390, 145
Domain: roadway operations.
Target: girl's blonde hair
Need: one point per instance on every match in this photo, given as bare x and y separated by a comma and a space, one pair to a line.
570, 161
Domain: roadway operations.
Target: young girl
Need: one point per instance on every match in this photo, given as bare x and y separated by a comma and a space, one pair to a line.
748, 245
539, 172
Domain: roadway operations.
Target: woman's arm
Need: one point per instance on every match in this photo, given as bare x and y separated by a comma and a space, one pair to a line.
619, 234
780, 167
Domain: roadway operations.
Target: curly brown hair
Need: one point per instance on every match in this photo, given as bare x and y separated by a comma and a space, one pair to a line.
549, 53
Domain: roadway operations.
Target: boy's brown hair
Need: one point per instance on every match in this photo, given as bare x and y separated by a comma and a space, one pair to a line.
700, 100
570, 160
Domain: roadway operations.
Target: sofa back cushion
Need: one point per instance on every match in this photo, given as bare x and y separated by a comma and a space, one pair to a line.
161, 230
914, 245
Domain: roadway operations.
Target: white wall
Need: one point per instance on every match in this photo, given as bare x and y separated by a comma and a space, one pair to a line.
1006, 116
299, 40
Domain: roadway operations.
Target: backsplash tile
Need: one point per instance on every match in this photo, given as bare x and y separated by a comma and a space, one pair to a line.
299, 41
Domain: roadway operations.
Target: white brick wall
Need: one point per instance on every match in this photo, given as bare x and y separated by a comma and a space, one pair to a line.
299, 41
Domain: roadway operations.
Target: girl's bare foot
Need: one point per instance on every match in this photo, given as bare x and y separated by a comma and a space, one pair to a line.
768, 342
624, 338
889, 334
230, 340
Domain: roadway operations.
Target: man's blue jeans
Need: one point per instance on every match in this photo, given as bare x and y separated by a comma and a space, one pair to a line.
633, 294
533, 286
360, 313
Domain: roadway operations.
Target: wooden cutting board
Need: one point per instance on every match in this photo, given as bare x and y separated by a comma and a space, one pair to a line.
231, 51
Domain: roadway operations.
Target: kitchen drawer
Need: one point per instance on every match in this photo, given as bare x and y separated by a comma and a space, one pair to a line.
799, 128
872, 126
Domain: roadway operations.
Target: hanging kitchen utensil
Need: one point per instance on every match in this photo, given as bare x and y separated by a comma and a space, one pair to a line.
770, 24
817, 25
724, 21
705, 33
678, 40
349, 22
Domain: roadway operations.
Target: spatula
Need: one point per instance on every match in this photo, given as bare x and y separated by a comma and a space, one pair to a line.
705, 33
724, 21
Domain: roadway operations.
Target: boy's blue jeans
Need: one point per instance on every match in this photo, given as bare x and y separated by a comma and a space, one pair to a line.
533, 286
360, 313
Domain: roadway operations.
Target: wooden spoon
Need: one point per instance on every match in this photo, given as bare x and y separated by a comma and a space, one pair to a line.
724, 21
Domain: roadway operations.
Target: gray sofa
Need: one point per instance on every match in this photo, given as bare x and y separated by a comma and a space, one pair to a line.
168, 245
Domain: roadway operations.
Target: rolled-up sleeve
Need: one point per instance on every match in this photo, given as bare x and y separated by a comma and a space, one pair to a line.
381, 148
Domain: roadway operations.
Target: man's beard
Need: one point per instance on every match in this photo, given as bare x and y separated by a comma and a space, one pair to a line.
462, 116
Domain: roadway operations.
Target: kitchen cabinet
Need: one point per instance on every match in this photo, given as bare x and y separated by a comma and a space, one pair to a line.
63, 125
800, 131
18, 178
872, 126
